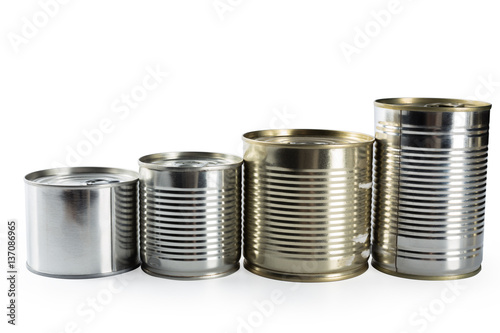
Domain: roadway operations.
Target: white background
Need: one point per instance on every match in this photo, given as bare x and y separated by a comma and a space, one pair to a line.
245, 66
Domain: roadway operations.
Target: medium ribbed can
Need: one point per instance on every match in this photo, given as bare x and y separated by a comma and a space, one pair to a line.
307, 199
430, 187
190, 214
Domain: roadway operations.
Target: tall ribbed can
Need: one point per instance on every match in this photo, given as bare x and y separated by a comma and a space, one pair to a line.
307, 199
430, 187
190, 214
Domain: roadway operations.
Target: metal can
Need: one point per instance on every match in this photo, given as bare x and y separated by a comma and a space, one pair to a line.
430, 187
82, 222
190, 214
307, 204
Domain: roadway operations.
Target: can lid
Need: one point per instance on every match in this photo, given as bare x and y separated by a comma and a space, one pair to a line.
81, 177
432, 104
191, 161
307, 138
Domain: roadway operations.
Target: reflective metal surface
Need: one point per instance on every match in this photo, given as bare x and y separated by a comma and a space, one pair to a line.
81, 222
430, 187
190, 214
307, 204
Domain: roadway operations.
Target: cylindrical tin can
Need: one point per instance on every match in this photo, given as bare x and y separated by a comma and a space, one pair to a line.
430, 187
82, 222
190, 214
307, 204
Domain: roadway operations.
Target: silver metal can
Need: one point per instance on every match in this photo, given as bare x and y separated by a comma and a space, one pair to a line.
430, 187
307, 204
190, 214
82, 222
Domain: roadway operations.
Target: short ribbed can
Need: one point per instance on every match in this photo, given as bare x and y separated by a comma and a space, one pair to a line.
307, 199
81, 222
190, 214
430, 187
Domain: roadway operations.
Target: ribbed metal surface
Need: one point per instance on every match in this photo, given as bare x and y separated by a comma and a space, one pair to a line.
190, 224
307, 204
430, 187
126, 229
191, 219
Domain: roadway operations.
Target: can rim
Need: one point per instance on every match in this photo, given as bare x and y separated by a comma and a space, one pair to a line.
32, 176
146, 161
419, 104
361, 138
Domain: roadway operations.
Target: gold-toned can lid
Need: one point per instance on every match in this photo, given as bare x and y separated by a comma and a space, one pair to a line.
307, 138
432, 104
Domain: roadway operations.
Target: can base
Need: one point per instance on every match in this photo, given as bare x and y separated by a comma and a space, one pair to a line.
425, 277
327, 277
188, 277
84, 276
